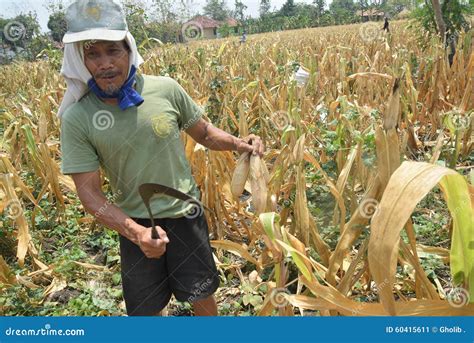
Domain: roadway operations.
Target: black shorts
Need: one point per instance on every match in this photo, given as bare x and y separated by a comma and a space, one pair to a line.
187, 269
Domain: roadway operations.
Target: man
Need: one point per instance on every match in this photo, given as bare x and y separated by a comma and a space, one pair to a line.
243, 39
386, 25
129, 124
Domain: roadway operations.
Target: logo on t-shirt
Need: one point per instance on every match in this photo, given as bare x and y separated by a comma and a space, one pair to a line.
162, 125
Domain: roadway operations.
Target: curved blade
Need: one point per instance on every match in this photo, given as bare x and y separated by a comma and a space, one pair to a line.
147, 190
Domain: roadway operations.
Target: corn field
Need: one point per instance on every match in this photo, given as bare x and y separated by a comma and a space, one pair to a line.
325, 223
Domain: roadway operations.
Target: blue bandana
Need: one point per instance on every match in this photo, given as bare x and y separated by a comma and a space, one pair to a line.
127, 96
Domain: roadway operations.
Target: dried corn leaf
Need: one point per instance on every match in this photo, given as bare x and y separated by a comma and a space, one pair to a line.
23, 234
236, 249
6, 275
408, 185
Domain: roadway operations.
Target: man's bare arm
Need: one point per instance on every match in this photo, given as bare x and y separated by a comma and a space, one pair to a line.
216, 139
94, 201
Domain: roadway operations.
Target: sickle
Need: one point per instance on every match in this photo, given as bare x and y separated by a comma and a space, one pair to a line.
147, 190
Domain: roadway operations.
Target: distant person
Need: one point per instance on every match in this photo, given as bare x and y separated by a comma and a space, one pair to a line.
243, 39
386, 25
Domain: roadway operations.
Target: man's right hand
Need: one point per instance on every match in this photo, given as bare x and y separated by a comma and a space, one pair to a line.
152, 248
90, 193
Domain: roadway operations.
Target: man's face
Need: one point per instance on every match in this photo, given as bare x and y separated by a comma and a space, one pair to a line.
108, 63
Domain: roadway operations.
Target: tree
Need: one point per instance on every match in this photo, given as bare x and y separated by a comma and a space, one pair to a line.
135, 14
264, 7
446, 19
362, 5
288, 9
22, 35
304, 15
393, 7
239, 11
343, 11
319, 6
163, 10
20, 30
440, 24
57, 19
166, 32
57, 25
453, 13
168, 10
216, 9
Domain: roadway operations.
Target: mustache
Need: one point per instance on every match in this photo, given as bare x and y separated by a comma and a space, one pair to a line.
107, 73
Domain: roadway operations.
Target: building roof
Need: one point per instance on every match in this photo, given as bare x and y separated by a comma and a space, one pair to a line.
206, 22
232, 22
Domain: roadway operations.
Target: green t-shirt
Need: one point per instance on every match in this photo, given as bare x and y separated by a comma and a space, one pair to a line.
139, 145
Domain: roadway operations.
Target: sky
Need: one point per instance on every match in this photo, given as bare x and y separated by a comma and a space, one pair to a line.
11, 8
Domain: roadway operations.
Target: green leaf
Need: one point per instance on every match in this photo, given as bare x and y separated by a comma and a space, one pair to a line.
30, 141
246, 299
298, 259
288, 130
116, 278
252, 84
456, 192
221, 49
256, 300
268, 221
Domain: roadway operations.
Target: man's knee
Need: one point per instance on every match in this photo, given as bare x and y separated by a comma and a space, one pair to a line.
204, 300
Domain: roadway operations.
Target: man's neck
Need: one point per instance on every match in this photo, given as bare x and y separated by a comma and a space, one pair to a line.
114, 101
110, 101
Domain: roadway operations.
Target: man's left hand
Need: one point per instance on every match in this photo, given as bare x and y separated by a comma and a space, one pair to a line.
252, 144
